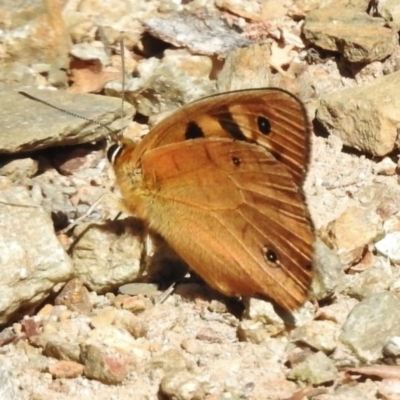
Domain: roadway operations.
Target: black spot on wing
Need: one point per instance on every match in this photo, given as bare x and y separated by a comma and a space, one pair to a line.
228, 124
264, 125
193, 131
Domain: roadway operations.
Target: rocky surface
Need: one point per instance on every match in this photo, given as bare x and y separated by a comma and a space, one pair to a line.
71, 326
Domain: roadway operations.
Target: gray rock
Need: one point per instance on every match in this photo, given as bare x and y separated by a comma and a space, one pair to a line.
163, 85
201, 36
25, 36
370, 325
364, 117
373, 280
315, 369
32, 260
108, 255
181, 385
390, 10
319, 335
29, 125
8, 384
328, 270
355, 34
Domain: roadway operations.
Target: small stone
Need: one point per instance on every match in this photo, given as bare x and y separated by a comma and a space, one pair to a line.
75, 297
136, 304
373, 280
364, 117
328, 270
316, 369
134, 325
18, 169
104, 318
389, 246
136, 288
108, 254
370, 325
392, 347
108, 366
62, 350
261, 321
9, 386
356, 35
66, 369
352, 232
385, 167
32, 260
319, 335
181, 385
90, 51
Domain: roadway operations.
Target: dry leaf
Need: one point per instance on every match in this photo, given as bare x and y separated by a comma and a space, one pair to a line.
90, 77
379, 371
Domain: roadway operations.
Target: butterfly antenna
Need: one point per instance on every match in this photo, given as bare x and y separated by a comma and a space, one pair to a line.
122, 48
93, 121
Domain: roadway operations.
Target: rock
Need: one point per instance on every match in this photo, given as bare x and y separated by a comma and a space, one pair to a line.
316, 369
110, 353
389, 389
260, 321
128, 321
209, 37
179, 78
392, 347
118, 13
75, 297
370, 325
62, 350
135, 288
32, 260
20, 168
26, 37
9, 387
389, 247
244, 68
328, 269
385, 167
104, 318
31, 125
390, 10
66, 369
352, 232
358, 36
91, 51
108, 366
373, 280
108, 255
364, 117
319, 335
181, 385
136, 304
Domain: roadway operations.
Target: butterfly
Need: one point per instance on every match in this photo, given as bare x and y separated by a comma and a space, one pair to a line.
220, 180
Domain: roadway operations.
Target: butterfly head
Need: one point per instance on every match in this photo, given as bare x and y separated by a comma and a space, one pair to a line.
114, 151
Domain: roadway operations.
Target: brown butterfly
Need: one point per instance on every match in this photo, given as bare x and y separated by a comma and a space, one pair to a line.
221, 180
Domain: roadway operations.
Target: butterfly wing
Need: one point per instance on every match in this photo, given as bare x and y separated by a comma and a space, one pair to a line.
270, 117
232, 212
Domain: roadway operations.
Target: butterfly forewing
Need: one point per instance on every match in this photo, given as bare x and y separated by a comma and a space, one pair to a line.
273, 118
233, 213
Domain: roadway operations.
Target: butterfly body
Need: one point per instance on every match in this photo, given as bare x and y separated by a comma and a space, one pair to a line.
209, 181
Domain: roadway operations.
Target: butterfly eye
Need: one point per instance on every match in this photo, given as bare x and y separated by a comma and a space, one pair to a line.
193, 131
264, 126
113, 152
270, 255
236, 161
